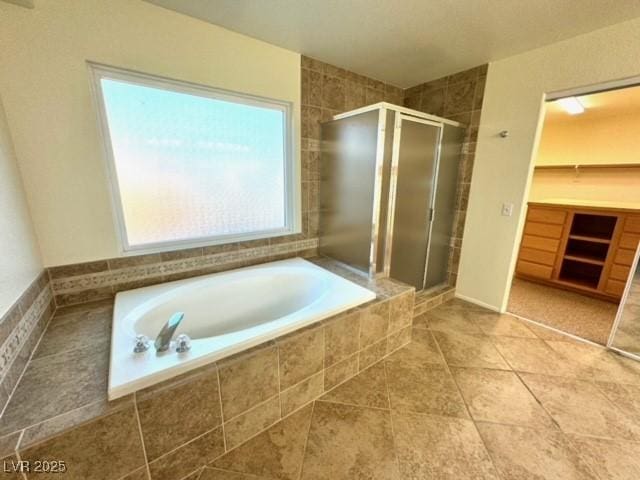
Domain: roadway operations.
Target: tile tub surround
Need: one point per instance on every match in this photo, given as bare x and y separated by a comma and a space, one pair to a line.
102, 279
59, 409
457, 97
20, 330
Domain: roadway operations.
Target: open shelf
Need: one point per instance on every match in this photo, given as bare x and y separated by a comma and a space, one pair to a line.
604, 241
578, 272
588, 260
584, 287
598, 227
586, 251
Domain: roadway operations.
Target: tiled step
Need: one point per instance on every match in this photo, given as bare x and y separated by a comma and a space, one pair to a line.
430, 299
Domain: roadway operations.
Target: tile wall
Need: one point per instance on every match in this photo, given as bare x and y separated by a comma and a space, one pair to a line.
457, 97
20, 330
327, 91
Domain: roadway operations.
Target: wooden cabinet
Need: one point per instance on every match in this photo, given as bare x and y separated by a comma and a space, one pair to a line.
589, 250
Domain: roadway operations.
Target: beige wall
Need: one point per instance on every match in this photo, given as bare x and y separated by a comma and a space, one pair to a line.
606, 184
20, 256
514, 93
584, 140
46, 89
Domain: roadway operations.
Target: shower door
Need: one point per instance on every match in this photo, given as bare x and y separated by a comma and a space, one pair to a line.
349, 165
444, 206
415, 157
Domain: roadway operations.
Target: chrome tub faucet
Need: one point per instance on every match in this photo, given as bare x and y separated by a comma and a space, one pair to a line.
163, 340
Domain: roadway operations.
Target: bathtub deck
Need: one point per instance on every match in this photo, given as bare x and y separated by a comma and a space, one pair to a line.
64, 386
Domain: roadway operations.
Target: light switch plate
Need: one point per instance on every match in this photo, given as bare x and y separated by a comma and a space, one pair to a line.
507, 209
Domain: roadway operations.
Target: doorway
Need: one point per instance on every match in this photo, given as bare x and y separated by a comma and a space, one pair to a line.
582, 224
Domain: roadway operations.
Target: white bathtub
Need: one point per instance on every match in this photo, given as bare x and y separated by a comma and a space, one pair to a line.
224, 313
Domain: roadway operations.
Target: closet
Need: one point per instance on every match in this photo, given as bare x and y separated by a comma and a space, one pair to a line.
588, 249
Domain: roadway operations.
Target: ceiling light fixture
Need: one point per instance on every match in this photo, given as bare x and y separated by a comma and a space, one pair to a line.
571, 105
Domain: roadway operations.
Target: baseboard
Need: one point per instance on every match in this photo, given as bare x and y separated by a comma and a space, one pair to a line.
478, 302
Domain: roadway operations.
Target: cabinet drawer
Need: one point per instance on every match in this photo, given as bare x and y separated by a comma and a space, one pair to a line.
540, 243
629, 240
534, 270
619, 272
538, 256
543, 229
614, 287
632, 224
546, 216
624, 256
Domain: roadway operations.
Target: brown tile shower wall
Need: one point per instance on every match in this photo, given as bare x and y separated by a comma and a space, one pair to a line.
327, 91
20, 329
457, 97
178, 426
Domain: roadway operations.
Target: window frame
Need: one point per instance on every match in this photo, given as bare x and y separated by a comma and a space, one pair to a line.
292, 185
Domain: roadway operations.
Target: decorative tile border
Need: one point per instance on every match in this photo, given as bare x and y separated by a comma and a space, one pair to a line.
11, 346
80, 283
20, 330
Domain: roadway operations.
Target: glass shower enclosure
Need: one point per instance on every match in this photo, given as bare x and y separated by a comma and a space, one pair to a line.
388, 192
625, 334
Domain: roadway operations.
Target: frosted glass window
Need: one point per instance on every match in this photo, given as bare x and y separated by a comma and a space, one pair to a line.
192, 165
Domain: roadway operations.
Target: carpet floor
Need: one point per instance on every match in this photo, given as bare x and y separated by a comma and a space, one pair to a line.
570, 312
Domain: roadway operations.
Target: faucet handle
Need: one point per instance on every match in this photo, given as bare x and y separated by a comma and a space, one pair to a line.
183, 343
142, 344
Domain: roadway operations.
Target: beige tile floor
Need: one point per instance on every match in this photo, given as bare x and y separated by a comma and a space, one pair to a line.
476, 395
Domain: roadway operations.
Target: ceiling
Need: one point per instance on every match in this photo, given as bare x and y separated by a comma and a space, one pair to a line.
407, 42
625, 101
